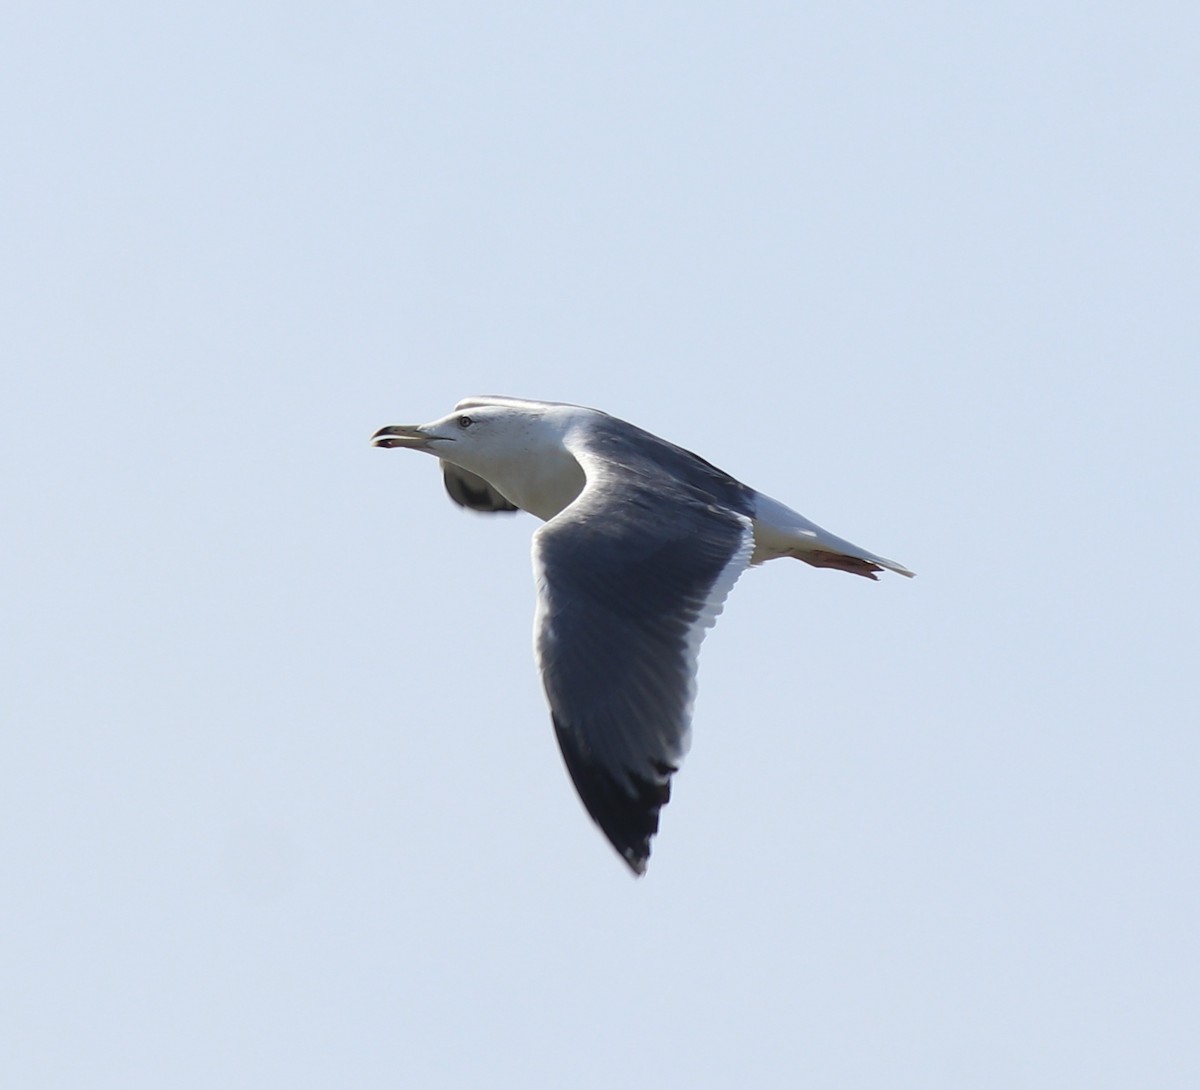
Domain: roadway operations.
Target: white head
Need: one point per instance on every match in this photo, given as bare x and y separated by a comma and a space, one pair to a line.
517, 446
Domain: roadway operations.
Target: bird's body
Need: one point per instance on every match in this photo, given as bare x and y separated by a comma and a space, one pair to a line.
641, 544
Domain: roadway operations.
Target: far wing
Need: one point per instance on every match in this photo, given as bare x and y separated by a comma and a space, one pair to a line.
629, 578
470, 490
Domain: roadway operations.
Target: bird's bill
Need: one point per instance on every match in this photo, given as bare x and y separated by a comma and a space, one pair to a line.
401, 435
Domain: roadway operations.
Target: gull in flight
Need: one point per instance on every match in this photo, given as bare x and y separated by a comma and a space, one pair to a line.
641, 543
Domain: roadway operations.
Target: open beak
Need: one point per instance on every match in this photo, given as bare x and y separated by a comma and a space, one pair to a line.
401, 435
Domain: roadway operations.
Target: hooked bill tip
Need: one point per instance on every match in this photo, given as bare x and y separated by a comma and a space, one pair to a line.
400, 435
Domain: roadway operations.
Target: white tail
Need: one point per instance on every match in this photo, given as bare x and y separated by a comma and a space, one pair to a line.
780, 531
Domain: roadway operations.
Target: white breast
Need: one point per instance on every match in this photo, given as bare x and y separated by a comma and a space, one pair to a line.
542, 485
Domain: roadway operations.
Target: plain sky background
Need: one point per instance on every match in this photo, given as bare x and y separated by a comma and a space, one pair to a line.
280, 804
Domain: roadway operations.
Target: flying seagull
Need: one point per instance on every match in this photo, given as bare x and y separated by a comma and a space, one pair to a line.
641, 543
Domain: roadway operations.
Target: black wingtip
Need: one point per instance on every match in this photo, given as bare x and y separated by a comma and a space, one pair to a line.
629, 819
636, 863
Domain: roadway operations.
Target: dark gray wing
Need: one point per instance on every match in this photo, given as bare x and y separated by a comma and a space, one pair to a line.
629, 578
470, 490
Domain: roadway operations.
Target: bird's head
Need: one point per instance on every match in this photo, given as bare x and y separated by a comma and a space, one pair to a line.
487, 434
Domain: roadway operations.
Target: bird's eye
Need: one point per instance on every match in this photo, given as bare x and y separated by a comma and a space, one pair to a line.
465, 421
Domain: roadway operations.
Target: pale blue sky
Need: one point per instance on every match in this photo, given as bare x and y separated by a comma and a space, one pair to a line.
280, 803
